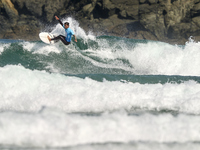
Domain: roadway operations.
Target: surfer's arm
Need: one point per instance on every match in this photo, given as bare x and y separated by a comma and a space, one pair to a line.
59, 20
75, 37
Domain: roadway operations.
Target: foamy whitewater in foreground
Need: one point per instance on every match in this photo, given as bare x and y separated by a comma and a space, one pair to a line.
99, 93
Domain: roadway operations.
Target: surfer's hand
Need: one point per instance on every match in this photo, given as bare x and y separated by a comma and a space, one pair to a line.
75, 40
56, 18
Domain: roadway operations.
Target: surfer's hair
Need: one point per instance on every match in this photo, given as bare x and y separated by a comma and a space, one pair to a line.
66, 23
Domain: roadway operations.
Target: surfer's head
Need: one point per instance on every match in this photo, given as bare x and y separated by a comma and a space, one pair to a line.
66, 25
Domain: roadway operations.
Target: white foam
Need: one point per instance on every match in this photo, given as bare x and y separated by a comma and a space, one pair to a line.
158, 58
42, 48
162, 58
151, 57
25, 90
51, 128
3, 47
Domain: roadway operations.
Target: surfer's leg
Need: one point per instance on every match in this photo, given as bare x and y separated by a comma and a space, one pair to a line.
55, 38
60, 37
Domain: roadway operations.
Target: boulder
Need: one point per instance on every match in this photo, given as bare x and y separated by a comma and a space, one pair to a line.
10, 10
52, 7
196, 20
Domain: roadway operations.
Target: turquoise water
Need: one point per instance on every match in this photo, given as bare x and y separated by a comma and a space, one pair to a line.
102, 92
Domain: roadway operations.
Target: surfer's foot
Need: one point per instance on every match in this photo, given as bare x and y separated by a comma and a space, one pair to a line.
48, 38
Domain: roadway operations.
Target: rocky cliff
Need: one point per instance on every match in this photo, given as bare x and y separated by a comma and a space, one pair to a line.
173, 21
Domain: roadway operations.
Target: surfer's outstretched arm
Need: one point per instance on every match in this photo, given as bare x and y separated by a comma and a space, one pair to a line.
59, 20
75, 38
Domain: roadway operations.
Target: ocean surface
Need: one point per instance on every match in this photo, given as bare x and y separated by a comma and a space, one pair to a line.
101, 93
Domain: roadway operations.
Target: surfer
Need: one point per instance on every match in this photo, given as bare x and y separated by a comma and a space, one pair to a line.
66, 40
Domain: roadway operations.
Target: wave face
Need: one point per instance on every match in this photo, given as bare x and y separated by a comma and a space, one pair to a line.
99, 93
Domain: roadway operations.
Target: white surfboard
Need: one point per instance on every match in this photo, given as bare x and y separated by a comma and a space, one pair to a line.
43, 37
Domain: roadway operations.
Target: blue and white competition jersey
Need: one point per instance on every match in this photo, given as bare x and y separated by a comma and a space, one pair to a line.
69, 34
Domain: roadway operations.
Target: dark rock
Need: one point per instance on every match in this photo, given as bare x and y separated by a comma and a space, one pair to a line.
164, 20
10, 10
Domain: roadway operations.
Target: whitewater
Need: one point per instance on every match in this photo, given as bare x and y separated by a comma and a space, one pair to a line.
103, 92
